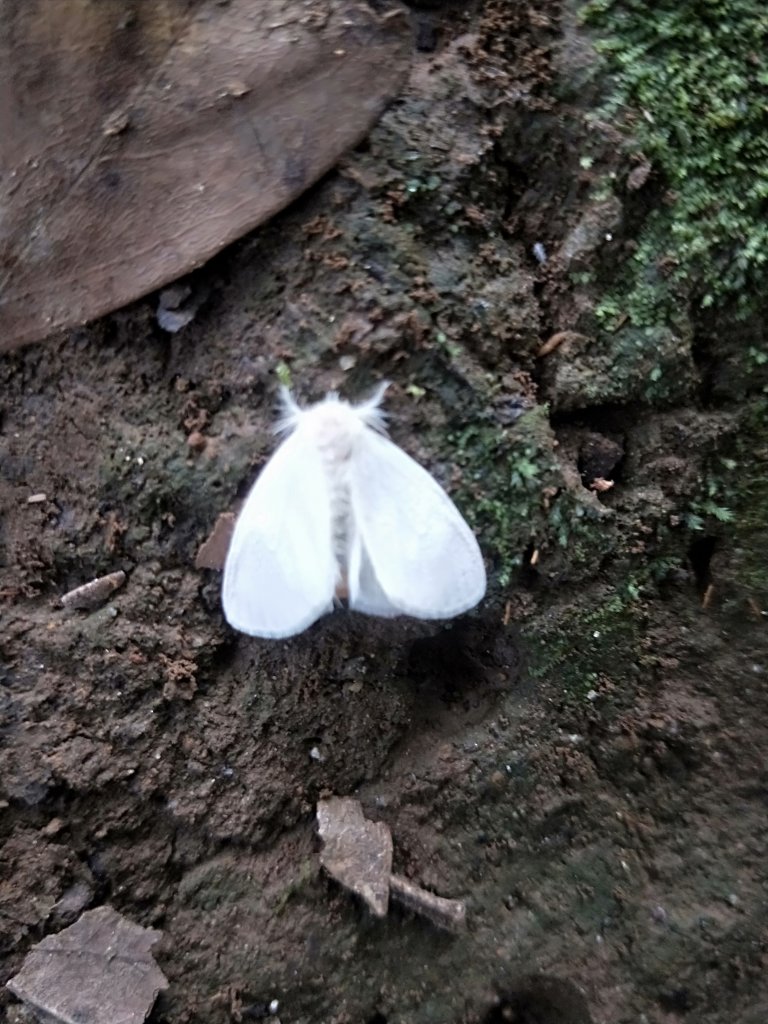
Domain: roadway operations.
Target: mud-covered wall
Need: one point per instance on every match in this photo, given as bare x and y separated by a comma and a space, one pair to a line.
582, 757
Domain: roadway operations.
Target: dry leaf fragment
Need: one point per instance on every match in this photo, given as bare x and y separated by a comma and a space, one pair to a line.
213, 551
97, 971
558, 339
356, 852
220, 114
638, 176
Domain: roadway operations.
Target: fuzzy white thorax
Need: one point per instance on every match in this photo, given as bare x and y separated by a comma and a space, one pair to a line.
333, 426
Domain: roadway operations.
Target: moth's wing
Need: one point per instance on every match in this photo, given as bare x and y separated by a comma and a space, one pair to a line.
424, 558
280, 572
365, 591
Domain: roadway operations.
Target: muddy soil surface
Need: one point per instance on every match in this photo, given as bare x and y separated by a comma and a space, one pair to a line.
582, 758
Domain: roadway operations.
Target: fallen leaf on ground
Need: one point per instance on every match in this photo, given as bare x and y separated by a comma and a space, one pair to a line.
119, 175
213, 552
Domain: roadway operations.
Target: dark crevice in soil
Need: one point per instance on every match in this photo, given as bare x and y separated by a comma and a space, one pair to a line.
541, 1000
603, 419
700, 555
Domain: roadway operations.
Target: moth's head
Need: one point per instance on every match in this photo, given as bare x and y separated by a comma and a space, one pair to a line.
333, 413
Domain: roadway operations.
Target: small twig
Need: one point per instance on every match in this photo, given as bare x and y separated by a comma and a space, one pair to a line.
445, 913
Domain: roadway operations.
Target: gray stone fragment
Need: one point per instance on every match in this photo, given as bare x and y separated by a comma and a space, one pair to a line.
97, 971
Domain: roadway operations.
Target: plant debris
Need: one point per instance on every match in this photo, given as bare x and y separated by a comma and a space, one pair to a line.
445, 913
213, 551
358, 854
231, 112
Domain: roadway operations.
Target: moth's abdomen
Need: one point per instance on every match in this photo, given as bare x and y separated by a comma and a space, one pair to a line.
335, 434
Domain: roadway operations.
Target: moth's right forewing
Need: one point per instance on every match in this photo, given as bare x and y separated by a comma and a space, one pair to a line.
280, 571
425, 558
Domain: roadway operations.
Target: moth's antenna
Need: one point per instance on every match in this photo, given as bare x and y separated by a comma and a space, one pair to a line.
369, 411
290, 411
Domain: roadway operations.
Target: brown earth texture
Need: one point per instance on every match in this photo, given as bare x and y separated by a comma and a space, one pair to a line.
582, 758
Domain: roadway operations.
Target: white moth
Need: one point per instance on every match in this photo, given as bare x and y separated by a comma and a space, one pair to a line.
339, 507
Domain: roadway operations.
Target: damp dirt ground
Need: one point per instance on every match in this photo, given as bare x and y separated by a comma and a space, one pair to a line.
582, 758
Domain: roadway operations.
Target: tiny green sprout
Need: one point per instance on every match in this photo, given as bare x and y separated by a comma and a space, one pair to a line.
527, 469
585, 162
719, 512
415, 391
283, 374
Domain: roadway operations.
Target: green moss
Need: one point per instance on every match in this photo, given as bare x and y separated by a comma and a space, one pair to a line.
505, 474
732, 507
514, 494
295, 888
578, 648
577, 538
690, 82
649, 364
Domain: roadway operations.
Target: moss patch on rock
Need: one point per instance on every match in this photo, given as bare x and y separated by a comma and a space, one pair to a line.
690, 83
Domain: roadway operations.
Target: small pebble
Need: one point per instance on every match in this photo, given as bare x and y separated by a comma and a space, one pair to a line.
197, 441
